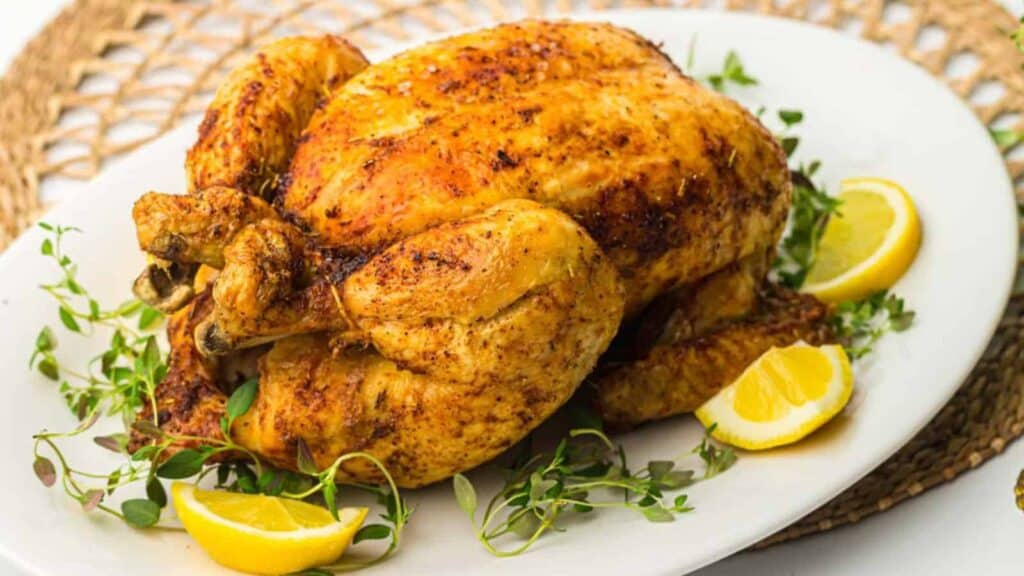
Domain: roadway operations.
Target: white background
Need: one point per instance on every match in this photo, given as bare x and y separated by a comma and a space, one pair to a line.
968, 526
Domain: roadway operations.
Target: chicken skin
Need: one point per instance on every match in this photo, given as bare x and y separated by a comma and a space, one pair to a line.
251, 128
429, 255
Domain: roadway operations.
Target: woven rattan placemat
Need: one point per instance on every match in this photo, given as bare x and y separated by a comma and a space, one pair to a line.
107, 76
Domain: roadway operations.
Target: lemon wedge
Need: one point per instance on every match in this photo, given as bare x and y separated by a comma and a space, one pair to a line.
867, 246
782, 397
263, 534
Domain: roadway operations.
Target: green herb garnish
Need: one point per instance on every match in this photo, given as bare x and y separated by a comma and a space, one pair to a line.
858, 325
732, 73
787, 140
717, 459
791, 117
545, 487
395, 516
809, 212
121, 380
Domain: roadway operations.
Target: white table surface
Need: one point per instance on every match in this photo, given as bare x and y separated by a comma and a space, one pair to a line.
968, 526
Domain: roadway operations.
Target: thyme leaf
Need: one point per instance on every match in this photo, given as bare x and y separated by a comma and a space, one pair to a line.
732, 73
717, 459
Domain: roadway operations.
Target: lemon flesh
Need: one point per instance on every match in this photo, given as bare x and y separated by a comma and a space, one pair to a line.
782, 397
869, 245
263, 534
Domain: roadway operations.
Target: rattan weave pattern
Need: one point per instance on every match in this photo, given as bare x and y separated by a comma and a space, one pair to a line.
108, 76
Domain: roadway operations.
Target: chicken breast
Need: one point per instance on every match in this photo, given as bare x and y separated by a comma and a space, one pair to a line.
672, 180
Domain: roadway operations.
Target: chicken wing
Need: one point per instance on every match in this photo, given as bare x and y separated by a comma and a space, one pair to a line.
195, 229
677, 376
250, 130
246, 141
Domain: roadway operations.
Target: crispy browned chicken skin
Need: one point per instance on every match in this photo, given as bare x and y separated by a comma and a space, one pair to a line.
457, 236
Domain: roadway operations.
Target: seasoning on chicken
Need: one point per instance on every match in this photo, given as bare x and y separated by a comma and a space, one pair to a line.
444, 252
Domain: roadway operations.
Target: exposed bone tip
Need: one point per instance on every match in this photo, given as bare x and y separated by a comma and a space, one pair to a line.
211, 340
167, 288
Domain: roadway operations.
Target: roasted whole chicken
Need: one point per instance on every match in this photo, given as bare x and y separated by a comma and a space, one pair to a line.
424, 258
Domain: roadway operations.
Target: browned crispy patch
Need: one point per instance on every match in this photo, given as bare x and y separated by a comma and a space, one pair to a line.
189, 400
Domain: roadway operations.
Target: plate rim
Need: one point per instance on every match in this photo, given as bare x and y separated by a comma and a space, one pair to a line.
9, 257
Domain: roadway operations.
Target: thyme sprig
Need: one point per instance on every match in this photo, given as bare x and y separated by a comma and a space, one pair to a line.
396, 510
543, 488
810, 208
247, 475
716, 458
121, 380
809, 211
859, 325
147, 464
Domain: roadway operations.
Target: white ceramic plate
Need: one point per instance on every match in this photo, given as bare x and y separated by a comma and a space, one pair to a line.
867, 114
